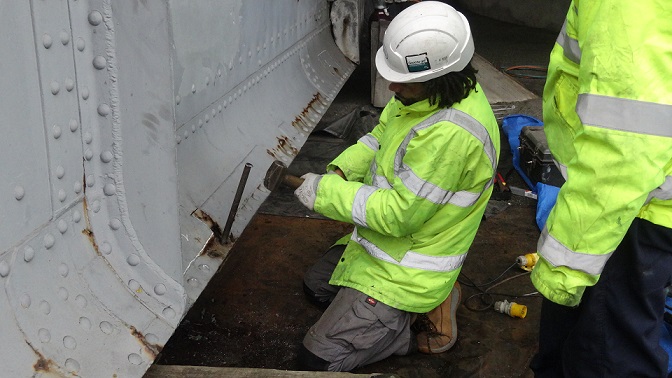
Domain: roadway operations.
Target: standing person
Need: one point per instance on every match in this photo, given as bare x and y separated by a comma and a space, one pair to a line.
606, 250
415, 188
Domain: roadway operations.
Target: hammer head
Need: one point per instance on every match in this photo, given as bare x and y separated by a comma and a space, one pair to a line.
275, 175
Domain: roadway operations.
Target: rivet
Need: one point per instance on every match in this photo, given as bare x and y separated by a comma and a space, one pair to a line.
44, 335
77, 186
204, 268
69, 342
178, 139
76, 215
134, 286
81, 301
55, 87
69, 84
65, 37
47, 41
213, 112
160, 289
169, 313
193, 282
85, 323
177, 100
95, 18
72, 365
60, 171
74, 125
109, 189
193, 128
88, 138
85, 93
62, 226
105, 248
48, 241
4, 269
25, 301
88, 154
28, 254
219, 108
151, 338
63, 270
95, 206
133, 259
135, 359
57, 131
19, 192
62, 195
63, 293
106, 327
115, 224
99, 62
80, 44
193, 88
104, 109
106, 156
207, 118
200, 123
45, 307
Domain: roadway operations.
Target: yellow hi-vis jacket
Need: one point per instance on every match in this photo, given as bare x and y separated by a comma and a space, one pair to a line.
416, 190
608, 121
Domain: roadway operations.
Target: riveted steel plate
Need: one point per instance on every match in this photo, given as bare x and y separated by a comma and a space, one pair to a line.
127, 128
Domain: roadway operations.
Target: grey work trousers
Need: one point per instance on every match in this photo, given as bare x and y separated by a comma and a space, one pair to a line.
355, 329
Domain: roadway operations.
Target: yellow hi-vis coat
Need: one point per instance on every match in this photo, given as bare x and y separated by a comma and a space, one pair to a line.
416, 190
608, 120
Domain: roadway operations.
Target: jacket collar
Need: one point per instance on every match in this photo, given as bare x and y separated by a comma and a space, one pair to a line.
418, 107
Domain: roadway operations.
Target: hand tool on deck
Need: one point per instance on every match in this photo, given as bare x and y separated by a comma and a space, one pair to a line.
502, 190
277, 175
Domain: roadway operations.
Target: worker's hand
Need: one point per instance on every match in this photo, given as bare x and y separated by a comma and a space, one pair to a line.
307, 192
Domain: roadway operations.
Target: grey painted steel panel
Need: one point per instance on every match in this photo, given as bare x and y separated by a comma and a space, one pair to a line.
126, 133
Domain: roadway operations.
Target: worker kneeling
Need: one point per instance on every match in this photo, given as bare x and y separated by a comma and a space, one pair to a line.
415, 188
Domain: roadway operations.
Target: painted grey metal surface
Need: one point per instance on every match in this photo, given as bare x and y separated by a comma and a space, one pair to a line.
127, 126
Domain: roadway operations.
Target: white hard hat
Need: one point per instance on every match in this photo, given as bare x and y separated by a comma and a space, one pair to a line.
426, 40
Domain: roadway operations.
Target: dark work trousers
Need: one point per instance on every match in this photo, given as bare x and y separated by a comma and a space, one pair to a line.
615, 330
355, 329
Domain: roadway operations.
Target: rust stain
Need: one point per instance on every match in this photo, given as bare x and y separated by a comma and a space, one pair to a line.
207, 219
212, 248
300, 122
92, 239
152, 349
42, 363
286, 147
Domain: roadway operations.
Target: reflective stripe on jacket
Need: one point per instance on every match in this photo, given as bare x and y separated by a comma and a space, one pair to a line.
608, 121
417, 188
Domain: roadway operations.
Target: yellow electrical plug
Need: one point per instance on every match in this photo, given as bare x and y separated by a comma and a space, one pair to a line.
526, 262
512, 309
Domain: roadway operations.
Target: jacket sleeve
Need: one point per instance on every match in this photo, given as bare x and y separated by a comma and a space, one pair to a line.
355, 160
619, 157
440, 161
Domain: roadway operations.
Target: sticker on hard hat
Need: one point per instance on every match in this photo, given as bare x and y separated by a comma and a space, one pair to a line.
417, 63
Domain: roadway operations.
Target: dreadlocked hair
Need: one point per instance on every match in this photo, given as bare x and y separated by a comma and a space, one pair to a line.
452, 87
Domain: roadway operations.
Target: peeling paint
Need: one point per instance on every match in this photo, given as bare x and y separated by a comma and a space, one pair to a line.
207, 219
92, 239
